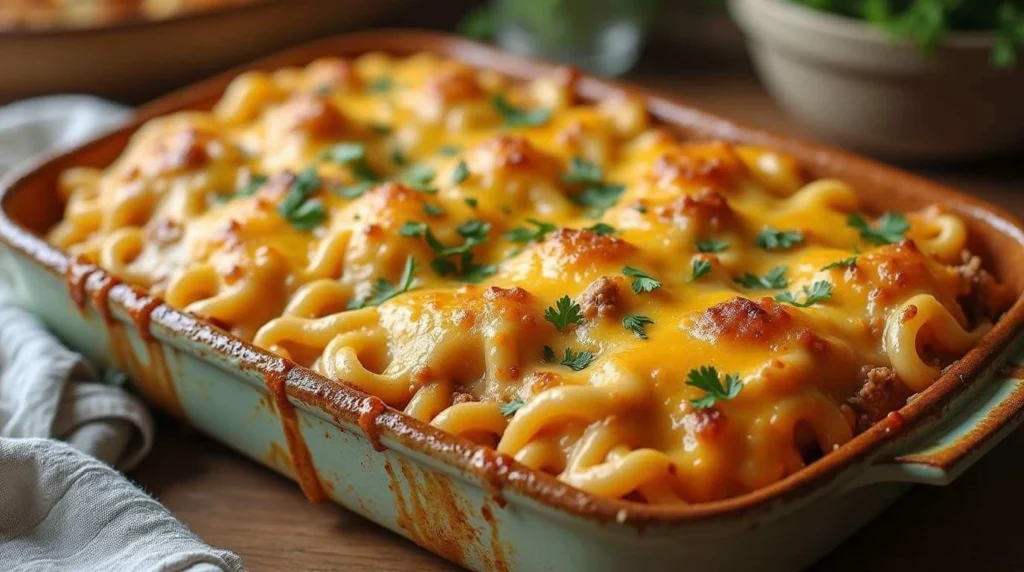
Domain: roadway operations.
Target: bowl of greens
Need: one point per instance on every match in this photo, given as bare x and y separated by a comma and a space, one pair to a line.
904, 79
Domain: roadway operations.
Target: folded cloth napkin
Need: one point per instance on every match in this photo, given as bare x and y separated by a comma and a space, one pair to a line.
61, 509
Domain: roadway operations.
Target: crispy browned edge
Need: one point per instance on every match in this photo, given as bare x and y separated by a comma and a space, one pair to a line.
993, 231
119, 24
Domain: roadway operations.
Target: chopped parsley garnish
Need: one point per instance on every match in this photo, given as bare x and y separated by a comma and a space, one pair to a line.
516, 117
473, 231
298, 208
599, 197
707, 379
771, 239
353, 155
596, 194
476, 273
419, 178
471, 202
255, 182
636, 324
820, 291
602, 229
641, 209
582, 171
844, 263
701, 268
323, 90
509, 409
449, 150
397, 157
712, 246
353, 191
381, 128
642, 281
564, 313
461, 173
380, 84
384, 290
577, 361
432, 210
521, 234
890, 228
549, 354
345, 153
774, 279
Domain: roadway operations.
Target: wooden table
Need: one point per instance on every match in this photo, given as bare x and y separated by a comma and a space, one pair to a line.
235, 504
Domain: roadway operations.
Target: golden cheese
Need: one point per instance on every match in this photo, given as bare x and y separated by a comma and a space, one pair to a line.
548, 277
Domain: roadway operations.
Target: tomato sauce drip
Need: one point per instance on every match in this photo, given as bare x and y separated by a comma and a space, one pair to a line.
78, 272
302, 461
372, 408
101, 298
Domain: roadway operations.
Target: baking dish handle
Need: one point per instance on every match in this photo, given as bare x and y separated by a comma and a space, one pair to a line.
977, 422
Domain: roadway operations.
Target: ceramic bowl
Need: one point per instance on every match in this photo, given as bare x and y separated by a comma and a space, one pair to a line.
853, 85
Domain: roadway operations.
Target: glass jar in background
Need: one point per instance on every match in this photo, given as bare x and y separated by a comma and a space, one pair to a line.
601, 36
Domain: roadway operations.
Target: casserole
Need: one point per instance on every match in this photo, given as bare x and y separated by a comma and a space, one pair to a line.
138, 59
463, 501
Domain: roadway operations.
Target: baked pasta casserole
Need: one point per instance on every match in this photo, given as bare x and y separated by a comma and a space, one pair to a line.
644, 317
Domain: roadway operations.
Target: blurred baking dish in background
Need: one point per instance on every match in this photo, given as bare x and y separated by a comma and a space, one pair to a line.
48, 14
645, 317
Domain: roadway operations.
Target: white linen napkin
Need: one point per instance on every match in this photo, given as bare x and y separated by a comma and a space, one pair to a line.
61, 509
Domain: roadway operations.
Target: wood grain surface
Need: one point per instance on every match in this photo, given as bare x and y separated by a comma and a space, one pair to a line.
235, 504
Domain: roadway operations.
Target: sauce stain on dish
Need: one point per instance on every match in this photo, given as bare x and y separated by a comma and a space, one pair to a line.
101, 298
301, 459
372, 408
78, 270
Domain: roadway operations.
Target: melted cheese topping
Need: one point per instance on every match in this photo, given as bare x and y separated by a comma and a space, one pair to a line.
360, 218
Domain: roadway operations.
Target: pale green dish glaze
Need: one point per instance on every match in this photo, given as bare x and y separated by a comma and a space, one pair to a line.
463, 501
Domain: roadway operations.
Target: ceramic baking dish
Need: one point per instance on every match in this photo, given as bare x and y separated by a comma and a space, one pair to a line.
466, 502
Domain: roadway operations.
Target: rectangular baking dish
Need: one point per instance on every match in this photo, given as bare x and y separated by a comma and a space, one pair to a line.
466, 502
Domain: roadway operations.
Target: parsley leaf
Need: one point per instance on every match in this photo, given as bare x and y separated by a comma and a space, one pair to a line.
381, 84
636, 324
255, 182
707, 378
820, 291
711, 246
509, 409
844, 263
345, 153
564, 313
521, 234
433, 210
475, 233
471, 202
549, 354
771, 239
596, 194
599, 197
642, 281
419, 178
775, 278
397, 157
583, 171
701, 268
353, 191
381, 128
602, 229
516, 117
577, 361
461, 173
449, 150
384, 290
476, 273
890, 228
297, 208
353, 155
